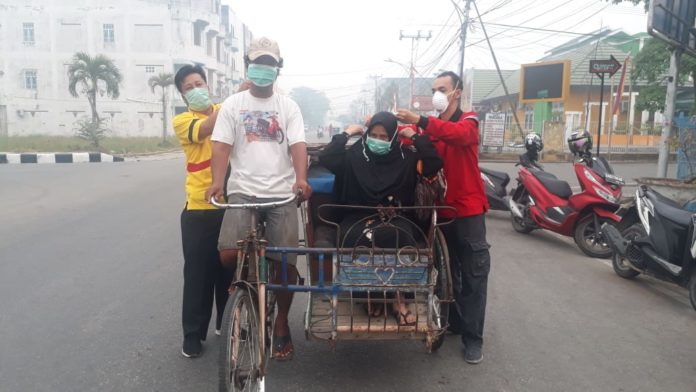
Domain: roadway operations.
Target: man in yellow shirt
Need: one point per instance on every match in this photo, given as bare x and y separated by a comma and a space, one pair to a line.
204, 276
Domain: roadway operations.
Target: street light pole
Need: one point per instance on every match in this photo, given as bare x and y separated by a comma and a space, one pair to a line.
414, 38
465, 27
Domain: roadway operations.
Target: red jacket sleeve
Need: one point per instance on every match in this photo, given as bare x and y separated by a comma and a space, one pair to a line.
464, 132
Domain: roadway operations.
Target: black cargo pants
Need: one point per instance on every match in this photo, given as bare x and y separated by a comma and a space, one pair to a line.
470, 263
204, 277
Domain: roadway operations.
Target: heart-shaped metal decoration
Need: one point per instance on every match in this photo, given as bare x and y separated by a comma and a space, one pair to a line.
385, 274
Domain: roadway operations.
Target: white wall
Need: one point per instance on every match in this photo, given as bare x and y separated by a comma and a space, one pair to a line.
150, 37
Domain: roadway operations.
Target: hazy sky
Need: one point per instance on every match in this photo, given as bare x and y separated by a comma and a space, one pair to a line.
334, 46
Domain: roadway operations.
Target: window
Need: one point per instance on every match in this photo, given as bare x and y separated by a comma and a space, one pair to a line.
197, 32
109, 37
150, 68
529, 120
30, 79
28, 29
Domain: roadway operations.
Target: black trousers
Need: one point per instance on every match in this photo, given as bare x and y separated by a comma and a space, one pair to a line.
204, 276
470, 263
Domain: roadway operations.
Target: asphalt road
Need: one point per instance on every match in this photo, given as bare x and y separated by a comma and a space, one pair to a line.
91, 276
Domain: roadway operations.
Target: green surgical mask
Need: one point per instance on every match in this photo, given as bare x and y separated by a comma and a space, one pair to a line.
198, 99
262, 75
378, 147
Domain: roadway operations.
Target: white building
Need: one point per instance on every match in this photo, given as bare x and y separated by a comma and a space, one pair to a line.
38, 38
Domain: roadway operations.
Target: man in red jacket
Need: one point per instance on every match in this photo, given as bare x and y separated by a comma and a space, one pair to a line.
456, 136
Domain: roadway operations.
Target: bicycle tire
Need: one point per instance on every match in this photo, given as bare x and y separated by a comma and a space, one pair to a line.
442, 287
239, 365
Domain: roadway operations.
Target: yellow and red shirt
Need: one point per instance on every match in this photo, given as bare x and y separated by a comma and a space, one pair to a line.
198, 152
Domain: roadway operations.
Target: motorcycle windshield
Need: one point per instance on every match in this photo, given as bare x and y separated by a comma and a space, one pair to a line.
603, 169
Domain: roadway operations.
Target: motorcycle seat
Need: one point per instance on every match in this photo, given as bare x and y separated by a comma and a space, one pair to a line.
558, 187
502, 176
669, 208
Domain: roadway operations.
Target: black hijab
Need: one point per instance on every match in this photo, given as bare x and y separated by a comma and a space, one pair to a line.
380, 176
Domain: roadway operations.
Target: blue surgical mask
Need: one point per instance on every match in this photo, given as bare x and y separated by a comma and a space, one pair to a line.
198, 99
262, 75
377, 146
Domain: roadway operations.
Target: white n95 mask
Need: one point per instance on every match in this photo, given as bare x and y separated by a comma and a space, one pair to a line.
440, 101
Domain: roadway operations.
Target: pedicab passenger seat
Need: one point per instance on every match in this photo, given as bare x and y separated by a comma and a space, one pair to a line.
322, 181
360, 269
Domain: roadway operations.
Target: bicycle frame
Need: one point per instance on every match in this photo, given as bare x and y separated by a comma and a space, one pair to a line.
257, 268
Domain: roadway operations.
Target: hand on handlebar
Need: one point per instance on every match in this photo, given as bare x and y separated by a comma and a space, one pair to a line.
302, 189
216, 191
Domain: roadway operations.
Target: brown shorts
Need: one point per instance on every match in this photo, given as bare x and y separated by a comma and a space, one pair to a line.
281, 225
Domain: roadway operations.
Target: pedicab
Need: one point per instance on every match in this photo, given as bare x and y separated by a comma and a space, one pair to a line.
342, 282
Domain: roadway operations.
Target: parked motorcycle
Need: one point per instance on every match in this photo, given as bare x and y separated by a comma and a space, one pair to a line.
496, 192
496, 182
542, 201
661, 241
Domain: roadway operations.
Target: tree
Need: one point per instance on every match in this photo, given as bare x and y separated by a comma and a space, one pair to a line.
390, 96
86, 72
652, 64
90, 130
646, 3
163, 80
313, 104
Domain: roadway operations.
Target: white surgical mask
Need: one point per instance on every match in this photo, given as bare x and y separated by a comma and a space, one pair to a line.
440, 101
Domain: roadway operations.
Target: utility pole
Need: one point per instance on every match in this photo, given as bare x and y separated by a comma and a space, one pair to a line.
465, 27
414, 38
511, 103
672, 81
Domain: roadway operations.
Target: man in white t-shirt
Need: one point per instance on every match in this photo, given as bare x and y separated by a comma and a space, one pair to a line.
261, 134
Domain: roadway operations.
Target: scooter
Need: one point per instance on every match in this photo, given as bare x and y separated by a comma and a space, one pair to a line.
661, 241
496, 192
496, 182
542, 201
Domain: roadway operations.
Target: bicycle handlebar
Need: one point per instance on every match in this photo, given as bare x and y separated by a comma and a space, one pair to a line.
272, 204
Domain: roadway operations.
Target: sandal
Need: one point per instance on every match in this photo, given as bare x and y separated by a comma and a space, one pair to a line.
282, 344
402, 317
374, 310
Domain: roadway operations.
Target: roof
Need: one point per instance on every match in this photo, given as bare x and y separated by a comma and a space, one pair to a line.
513, 85
484, 81
618, 38
580, 62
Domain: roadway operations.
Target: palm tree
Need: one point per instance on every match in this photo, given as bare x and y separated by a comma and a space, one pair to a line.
163, 80
86, 71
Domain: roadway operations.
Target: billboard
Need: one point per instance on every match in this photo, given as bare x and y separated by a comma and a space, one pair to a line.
673, 21
494, 130
544, 82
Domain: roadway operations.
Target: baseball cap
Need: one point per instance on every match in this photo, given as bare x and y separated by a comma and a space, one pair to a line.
263, 46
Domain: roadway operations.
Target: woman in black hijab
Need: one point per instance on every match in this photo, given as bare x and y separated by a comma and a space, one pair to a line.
377, 170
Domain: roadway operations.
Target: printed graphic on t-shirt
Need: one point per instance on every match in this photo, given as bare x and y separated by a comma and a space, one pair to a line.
261, 126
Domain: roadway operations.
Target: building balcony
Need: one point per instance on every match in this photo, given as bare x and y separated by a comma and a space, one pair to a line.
232, 42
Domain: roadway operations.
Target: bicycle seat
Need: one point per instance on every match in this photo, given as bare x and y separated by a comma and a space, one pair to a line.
558, 187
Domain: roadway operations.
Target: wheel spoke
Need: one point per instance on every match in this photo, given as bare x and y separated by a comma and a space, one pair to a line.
240, 362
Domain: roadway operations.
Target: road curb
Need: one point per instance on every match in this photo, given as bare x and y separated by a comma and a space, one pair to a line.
58, 157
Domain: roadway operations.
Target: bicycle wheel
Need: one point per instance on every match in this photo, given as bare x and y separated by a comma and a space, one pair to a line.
239, 362
442, 289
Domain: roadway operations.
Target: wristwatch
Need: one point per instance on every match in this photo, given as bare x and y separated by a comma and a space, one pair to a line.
413, 137
347, 134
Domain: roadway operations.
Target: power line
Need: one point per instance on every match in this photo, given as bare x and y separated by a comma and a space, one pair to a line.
528, 20
517, 27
